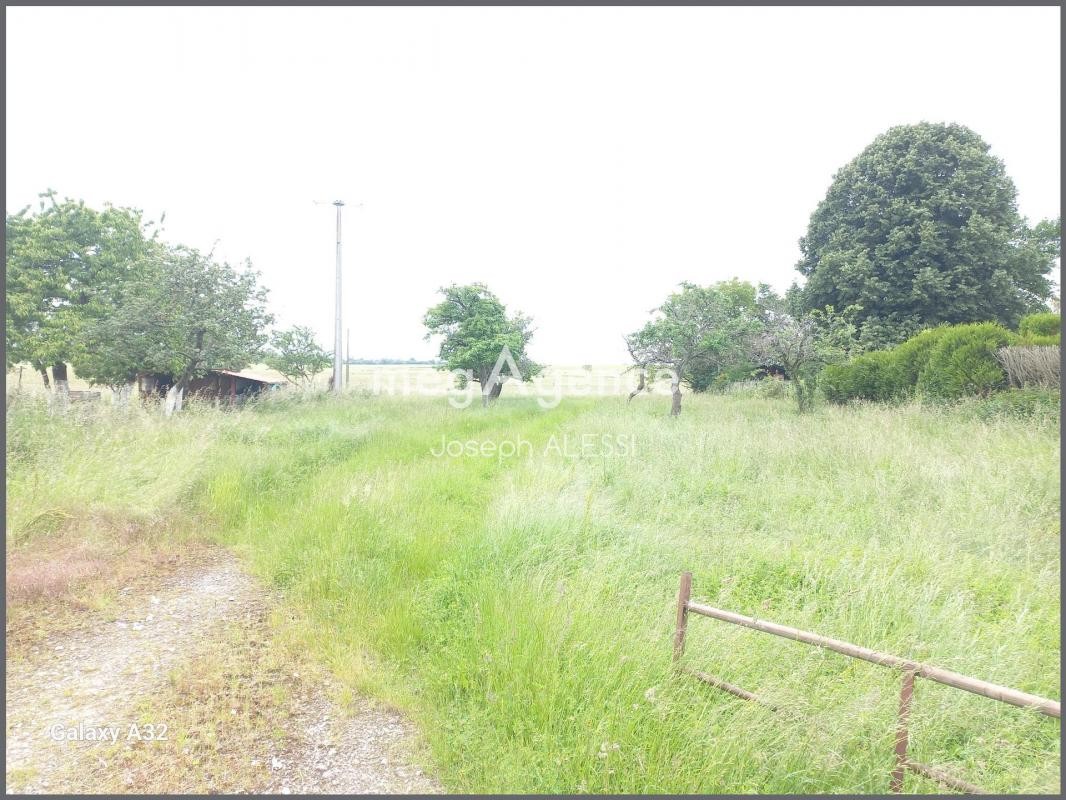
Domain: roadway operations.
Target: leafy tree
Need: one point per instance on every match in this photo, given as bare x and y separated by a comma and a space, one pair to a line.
1046, 236
698, 332
923, 228
739, 311
188, 315
296, 355
479, 339
804, 346
67, 268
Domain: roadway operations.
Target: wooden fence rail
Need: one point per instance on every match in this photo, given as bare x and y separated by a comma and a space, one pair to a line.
910, 670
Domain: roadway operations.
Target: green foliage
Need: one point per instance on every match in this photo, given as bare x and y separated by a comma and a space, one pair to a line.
1045, 326
186, 316
963, 362
477, 335
68, 267
946, 362
95, 289
699, 332
804, 346
922, 228
296, 355
1040, 341
873, 376
727, 376
913, 355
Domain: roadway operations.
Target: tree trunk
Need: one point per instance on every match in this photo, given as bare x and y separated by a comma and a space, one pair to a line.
490, 390
148, 386
44, 377
175, 396
640, 387
59, 378
122, 395
804, 394
675, 405
176, 393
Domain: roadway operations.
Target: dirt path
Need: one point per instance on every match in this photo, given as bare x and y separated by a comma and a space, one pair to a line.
86, 684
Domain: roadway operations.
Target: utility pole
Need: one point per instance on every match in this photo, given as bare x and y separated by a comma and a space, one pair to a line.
338, 381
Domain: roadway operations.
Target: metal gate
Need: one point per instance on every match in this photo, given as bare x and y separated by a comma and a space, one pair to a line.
910, 670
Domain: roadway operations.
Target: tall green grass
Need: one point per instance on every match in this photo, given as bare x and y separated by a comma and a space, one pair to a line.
521, 608
63, 468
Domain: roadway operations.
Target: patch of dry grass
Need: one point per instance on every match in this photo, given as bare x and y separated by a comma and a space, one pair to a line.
82, 568
228, 711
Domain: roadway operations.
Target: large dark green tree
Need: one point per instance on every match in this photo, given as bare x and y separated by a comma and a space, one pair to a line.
480, 340
923, 228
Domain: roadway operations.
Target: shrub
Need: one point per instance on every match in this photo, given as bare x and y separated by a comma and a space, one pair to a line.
913, 354
1031, 366
963, 361
1044, 324
872, 376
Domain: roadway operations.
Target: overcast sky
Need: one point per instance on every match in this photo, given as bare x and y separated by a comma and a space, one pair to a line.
581, 162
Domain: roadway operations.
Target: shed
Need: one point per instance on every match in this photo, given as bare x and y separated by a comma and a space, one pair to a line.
222, 384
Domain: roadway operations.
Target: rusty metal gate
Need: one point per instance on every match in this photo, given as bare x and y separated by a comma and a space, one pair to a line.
910, 670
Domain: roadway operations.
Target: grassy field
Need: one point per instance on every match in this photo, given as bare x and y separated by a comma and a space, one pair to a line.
519, 605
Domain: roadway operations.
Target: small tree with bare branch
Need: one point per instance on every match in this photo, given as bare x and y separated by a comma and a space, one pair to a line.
803, 345
697, 328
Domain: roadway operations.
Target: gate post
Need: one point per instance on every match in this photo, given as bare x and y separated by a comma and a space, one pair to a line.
683, 595
902, 736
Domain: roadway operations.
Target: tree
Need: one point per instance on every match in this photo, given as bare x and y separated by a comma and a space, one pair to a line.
698, 332
67, 266
803, 346
479, 339
188, 315
922, 228
296, 355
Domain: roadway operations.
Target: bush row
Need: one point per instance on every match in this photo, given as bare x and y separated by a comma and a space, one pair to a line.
948, 362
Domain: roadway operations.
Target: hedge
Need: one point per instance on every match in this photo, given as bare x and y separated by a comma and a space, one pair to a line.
963, 362
946, 363
873, 376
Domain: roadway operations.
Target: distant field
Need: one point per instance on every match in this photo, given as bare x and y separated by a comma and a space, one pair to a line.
424, 380
418, 380
519, 604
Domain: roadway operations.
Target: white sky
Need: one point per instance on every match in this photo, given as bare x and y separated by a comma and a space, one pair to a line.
579, 161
